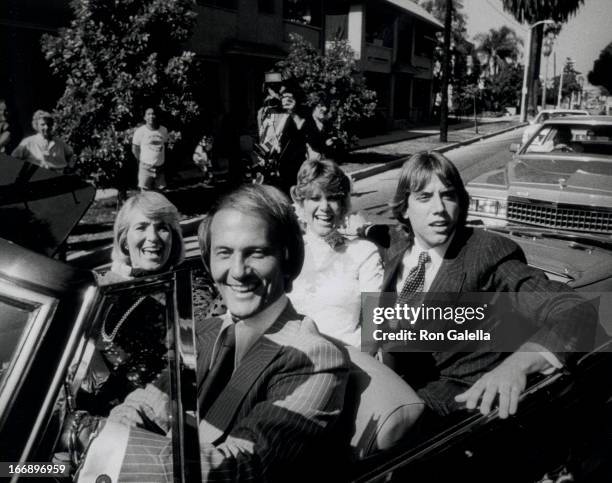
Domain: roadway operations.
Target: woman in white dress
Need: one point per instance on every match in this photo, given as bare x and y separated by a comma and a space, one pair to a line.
336, 270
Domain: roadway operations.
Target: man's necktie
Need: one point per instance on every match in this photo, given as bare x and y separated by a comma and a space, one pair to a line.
415, 281
221, 371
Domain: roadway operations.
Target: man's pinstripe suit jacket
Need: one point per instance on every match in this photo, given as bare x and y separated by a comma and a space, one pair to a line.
274, 418
480, 261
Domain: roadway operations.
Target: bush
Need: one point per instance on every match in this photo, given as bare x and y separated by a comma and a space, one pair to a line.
334, 80
117, 59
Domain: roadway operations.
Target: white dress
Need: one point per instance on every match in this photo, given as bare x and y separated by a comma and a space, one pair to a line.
329, 287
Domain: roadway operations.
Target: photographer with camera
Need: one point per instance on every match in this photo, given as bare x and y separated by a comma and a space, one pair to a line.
282, 134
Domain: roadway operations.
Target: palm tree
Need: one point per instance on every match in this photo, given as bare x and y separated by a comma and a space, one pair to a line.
499, 47
531, 11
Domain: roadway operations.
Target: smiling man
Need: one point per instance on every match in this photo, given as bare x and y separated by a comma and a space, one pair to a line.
149, 148
433, 251
270, 387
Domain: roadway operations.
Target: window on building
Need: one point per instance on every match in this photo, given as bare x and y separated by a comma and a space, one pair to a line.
305, 12
266, 6
404, 42
424, 41
379, 27
229, 4
336, 20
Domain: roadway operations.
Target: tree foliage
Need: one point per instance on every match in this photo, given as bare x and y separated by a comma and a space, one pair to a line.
500, 47
331, 78
503, 89
119, 57
601, 75
465, 67
531, 11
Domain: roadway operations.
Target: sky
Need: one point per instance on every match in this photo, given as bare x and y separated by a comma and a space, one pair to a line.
582, 37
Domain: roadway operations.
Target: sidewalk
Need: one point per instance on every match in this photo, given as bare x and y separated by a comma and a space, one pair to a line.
399, 135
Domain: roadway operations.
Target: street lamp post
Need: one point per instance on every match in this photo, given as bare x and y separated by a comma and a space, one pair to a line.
547, 45
526, 73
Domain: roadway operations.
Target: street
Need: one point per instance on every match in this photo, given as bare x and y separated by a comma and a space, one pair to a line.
371, 195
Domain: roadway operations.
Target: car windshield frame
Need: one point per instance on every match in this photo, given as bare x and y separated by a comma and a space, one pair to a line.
546, 140
41, 308
176, 287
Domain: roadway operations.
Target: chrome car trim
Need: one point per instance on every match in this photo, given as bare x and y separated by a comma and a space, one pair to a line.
186, 378
43, 308
556, 215
90, 297
452, 435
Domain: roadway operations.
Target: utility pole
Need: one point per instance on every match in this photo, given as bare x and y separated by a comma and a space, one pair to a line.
475, 115
547, 45
528, 60
544, 86
445, 72
559, 95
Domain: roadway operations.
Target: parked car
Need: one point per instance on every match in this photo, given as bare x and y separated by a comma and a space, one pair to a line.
52, 312
560, 179
545, 115
548, 114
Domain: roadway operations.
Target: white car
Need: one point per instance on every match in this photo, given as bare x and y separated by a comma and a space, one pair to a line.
536, 123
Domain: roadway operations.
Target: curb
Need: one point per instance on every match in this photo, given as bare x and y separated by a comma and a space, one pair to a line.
443, 149
380, 168
408, 137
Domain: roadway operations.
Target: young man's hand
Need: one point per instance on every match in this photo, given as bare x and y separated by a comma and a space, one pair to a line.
506, 383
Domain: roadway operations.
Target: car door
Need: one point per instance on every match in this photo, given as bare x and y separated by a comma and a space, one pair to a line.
44, 307
169, 295
50, 340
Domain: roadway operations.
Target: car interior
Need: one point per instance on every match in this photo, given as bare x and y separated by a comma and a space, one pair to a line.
591, 140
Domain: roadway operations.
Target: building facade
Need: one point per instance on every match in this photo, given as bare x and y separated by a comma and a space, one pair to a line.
393, 40
237, 41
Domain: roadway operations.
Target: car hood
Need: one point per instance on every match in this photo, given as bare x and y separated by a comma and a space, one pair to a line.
38, 207
561, 179
584, 264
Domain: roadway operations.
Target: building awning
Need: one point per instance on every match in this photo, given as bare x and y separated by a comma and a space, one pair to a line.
417, 11
252, 49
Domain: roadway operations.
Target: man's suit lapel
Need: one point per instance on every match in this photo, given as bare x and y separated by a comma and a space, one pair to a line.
261, 354
451, 274
205, 344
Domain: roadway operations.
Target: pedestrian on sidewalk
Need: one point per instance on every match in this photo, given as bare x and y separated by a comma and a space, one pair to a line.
202, 158
319, 141
5, 132
44, 148
149, 149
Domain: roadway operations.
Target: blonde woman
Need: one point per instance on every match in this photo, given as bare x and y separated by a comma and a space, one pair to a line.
336, 270
131, 344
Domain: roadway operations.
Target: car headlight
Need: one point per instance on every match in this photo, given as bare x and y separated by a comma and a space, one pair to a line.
488, 207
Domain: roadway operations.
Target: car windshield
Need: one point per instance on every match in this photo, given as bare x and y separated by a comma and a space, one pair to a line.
572, 138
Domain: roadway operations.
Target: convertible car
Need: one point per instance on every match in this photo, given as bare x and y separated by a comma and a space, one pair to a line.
52, 313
